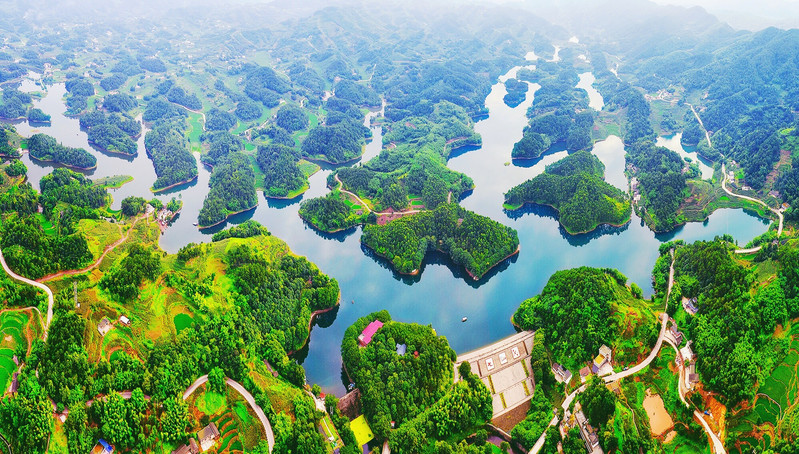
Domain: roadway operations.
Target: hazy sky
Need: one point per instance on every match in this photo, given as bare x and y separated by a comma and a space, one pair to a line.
748, 14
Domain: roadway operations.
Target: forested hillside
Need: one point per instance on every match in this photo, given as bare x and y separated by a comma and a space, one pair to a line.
475, 242
576, 188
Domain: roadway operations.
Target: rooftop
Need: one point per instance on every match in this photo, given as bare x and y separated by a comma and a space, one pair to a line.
369, 331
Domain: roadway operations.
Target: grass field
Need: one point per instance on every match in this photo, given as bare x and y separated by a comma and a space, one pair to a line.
706, 198
113, 182
363, 433
182, 321
47, 226
99, 234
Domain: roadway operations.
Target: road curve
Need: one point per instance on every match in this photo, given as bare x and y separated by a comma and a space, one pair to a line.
724, 186
613, 377
270, 436
38, 285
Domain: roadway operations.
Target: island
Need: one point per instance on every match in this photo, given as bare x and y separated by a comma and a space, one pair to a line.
405, 374
475, 242
333, 213
46, 148
232, 191
285, 173
335, 144
517, 92
167, 148
574, 186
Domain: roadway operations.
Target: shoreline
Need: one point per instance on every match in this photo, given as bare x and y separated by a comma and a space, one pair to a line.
336, 164
114, 152
477, 278
315, 314
203, 227
328, 231
289, 197
173, 185
629, 218
70, 166
417, 271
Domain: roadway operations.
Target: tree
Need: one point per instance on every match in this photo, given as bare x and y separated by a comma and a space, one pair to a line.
175, 420
132, 205
216, 380
599, 403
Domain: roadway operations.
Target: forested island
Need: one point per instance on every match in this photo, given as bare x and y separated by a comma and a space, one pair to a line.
575, 187
114, 133
232, 191
475, 242
285, 173
173, 163
405, 372
47, 148
332, 213
559, 113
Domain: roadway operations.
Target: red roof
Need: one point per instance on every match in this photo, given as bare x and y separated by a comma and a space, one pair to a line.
369, 331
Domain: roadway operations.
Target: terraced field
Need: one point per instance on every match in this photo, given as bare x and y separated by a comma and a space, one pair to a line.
13, 332
774, 406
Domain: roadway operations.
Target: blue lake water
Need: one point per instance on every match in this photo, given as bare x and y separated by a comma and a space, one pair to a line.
441, 295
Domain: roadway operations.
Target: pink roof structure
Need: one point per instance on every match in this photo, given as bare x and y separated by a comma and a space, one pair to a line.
368, 332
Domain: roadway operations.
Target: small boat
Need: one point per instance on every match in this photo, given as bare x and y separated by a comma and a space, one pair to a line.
464, 319
353, 302
194, 224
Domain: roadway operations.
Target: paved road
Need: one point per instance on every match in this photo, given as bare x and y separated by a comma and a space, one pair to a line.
613, 377
724, 186
707, 134
718, 446
41, 286
664, 318
270, 436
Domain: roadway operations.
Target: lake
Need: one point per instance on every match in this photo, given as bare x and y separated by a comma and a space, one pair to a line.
441, 295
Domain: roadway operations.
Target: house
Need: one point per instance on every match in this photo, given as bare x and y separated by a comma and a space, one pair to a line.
587, 433
690, 305
606, 352
584, 373
207, 436
102, 447
561, 373
687, 354
124, 320
104, 326
368, 332
191, 448
402, 349
597, 363
676, 334
691, 377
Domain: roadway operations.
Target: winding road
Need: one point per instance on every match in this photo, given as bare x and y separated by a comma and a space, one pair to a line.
38, 285
718, 446
777, 212
97, 262
270, 436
